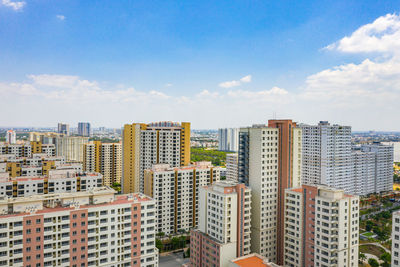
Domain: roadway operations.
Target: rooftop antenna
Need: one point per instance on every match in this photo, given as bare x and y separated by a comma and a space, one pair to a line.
274, 115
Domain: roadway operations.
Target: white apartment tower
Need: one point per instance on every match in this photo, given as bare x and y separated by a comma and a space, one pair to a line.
327, 155
228, 139
232, 167
176, 192
71, 147
383, 166
321, 227
223, 233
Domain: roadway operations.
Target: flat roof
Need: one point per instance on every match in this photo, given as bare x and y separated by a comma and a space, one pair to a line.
251, 261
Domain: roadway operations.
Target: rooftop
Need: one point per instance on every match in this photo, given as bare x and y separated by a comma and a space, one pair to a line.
253, 260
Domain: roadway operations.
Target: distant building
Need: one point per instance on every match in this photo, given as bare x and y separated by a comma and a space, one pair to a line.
57, 181
396, 150
148, 144
71, 147
228, 139
84, 128
223, 233
321, 227
44, 137
11, 137
232, 167
396, 239
176, 192
63, 128
105, 158
27, 149
35, 165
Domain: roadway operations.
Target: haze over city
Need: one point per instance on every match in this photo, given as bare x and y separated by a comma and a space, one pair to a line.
214, 64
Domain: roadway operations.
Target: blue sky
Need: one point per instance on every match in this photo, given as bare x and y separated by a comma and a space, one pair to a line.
168, 60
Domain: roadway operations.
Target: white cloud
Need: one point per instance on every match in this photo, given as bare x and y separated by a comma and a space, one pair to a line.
16, 5
246, 79
234, 83
60, 17
168, 85
382, 35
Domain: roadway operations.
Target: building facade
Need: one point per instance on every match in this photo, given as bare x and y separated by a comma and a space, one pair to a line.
269, 161
71, 147
224, 226
93, 228
321, 227
396, 239
396, 150
232, 167
105, 158
228, 139
176, 192
84, 128
148, 144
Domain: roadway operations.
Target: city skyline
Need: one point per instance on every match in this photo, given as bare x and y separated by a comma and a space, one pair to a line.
287, 59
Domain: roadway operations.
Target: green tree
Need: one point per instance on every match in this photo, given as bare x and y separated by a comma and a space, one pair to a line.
161, 234
175, 242
373, 262
159, 244
386, 257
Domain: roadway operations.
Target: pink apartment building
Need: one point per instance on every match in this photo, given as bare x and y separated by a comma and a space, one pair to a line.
95, 228
223, 232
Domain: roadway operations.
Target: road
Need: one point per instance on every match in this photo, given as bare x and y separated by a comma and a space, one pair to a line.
172, 260
363, 217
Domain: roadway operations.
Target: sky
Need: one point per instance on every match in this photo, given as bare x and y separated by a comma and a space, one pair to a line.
213, 63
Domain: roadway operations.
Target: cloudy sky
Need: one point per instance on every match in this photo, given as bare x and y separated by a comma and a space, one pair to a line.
225, 64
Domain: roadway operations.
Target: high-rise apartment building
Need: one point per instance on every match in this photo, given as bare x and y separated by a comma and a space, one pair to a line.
383, 165
148, 144
330, 159
84, 128
63, 128
95, 228
44, 137
327, 155
232, 167
71, 147
269, 162
228, 139
396, 239
176, 192
321, 227
223, 232
11, 137
105, 158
